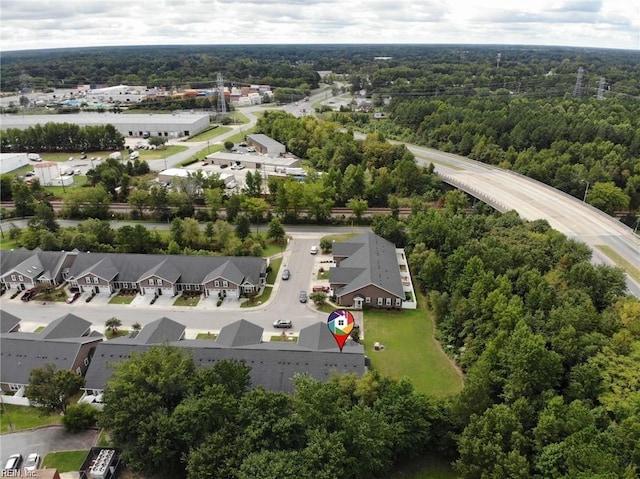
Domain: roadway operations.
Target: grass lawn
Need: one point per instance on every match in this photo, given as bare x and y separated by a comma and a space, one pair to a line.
165, 152
210, 134
24, 417
428, 467
6, 243
620, 261
410, 350
280, 338
275, 270
187, 300
122, 299
64, 461
109, 334
206, 336
258, 300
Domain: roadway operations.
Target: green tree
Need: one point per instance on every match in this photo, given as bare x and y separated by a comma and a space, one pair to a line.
358, 207
44, 217
80, 417
213, 200
112, 325
253, 184
51, 390
139, 198
275, 230
608, 197
243, 227
139, 400
255, 208
158, 141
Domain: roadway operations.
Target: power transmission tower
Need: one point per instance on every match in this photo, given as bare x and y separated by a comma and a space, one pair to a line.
578, 90
601, 85
222, 105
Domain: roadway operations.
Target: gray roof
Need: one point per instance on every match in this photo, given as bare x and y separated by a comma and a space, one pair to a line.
185, 269
59, 344
273, 364
264, 140
32, 263
8, 322
240, 333
160, 331
317, 337
67, 326
20, 355
372, 261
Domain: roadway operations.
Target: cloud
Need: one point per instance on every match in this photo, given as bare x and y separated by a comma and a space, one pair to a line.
54, 23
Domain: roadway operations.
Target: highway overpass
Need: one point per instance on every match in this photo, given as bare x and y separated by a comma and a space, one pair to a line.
611, 241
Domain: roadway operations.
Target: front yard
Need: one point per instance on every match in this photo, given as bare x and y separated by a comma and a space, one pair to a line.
187, 300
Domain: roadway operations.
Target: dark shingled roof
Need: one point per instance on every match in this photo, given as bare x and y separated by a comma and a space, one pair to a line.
33, 263
240, 333
67, 326
273, 364
162, 330
59, 344
187, 269
372, 261
8, 321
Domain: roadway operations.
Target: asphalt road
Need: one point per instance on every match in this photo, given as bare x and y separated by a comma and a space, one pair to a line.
506, 190
283, 304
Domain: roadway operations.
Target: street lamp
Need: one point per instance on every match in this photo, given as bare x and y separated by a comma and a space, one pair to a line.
586, 190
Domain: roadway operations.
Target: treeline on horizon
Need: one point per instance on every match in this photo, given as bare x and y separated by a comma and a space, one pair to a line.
546, 70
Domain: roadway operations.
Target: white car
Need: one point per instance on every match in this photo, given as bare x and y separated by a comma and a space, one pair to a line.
32, 462
313, 250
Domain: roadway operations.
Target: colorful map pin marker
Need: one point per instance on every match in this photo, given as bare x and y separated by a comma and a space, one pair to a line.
341, 324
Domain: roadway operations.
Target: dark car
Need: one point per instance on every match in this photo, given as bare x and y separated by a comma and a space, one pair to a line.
13, 463
303, 296
28, 294
286, 274
73, 297
283, 323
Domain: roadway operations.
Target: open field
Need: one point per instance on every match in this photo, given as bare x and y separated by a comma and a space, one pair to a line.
410, 349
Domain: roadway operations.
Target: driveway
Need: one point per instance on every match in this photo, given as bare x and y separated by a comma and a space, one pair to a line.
45, 440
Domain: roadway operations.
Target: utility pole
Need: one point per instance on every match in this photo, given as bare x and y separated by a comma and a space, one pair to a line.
578, 90
222, 104
601, 85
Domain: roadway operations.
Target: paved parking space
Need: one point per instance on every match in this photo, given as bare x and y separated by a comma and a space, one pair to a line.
45, 440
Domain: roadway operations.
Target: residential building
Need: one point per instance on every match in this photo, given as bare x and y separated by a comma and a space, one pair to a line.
68, 343
273, 364
106, 273
367, 273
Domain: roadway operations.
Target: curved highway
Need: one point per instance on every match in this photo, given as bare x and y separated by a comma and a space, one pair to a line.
611, 241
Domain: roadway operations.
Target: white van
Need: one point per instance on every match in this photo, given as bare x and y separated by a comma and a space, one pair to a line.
134, 155
116, 155
34, 157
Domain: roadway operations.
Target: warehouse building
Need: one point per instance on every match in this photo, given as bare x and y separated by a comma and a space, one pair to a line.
174, 125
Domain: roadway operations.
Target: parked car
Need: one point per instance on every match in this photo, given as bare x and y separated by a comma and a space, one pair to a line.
303, 296
321, 287
12, 464
313, 250
28, 294
32, 462
251, 149
286, 274
283, 323
242, 144
224, 165
240, 167
73, 297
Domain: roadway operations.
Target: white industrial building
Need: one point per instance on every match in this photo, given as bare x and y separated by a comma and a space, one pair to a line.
48, 173
256, 161
12, 161
266, 145
175, 125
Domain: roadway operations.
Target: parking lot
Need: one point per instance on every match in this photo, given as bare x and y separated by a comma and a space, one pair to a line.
45, 440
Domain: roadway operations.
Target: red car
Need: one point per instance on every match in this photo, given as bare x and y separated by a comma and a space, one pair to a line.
30, 293
73, 297
323, 288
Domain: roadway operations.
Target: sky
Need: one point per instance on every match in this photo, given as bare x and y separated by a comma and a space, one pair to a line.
38, 24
